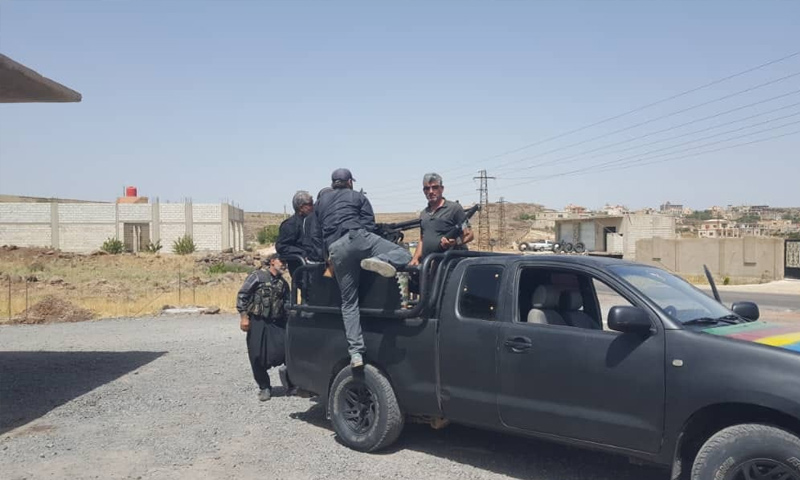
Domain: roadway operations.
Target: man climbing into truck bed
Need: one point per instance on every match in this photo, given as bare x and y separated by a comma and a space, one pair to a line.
345, 225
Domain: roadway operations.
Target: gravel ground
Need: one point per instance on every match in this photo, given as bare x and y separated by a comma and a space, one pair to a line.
164, 398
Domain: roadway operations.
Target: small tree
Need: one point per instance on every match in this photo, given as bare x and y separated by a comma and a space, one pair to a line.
268, 234
184, 245
112, 246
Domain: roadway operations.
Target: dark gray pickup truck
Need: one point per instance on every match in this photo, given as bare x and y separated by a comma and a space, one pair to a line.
593, 352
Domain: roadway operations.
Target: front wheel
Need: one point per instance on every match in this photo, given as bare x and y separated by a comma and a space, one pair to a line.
749, 451
364, 410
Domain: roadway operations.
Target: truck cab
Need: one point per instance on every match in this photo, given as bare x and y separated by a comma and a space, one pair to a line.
599, 353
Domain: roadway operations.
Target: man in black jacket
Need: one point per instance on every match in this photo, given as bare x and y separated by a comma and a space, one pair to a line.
261, 306
345, 226
295, 234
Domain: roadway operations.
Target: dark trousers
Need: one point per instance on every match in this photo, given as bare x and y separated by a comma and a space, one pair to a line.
266, 344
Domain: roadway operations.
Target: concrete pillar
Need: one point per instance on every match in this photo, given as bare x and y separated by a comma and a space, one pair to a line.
189, 219
54, 240
155, 225
225, 230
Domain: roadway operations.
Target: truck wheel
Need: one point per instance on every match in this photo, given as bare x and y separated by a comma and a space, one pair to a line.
749, 451
364, 410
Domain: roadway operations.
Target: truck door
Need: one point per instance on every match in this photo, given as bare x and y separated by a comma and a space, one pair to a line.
562, 372
467, 342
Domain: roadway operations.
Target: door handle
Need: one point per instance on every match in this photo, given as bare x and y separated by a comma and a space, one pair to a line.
518, 344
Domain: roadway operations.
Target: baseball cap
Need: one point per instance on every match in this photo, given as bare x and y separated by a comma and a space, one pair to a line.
342, 174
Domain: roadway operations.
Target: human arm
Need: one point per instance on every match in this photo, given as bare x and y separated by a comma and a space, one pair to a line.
417, 253
366, 215
243, 299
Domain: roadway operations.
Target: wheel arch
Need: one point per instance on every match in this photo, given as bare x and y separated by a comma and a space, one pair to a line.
712, 418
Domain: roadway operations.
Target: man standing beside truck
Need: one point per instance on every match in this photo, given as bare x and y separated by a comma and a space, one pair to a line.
345, 225
260, 303
443, 224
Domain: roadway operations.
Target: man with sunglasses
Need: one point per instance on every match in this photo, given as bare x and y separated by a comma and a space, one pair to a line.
295, 234
443, 224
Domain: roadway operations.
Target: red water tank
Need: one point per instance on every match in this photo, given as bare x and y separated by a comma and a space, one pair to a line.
131, 192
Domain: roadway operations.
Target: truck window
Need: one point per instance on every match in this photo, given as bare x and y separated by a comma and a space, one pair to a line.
480, 289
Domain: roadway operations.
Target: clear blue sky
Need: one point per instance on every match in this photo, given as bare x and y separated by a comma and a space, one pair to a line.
251, 101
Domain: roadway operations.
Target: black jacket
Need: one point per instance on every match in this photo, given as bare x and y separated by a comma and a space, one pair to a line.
295, 238
340, 211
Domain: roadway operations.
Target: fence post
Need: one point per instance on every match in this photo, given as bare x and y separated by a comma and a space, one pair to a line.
194, 287
9, 298
179, 286
26, 299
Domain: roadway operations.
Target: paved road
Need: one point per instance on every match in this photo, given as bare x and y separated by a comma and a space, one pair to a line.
173, 398
765, 301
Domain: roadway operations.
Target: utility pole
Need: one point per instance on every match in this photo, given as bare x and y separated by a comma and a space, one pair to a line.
502, 235
484, 233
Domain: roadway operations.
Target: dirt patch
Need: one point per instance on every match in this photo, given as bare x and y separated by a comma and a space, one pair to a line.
53, 309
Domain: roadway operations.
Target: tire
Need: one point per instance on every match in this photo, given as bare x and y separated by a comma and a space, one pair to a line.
580, 247
748, 447
523, 246
364, 410
568, 247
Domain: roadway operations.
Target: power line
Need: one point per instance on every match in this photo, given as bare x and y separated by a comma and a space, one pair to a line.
643, 107
675, 127
484, 233
642, 157
629, 112
687, 134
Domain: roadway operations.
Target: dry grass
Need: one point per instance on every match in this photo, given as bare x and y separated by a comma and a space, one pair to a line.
111, 285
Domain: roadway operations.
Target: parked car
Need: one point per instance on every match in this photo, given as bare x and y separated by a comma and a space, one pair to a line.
593, 352
536, 246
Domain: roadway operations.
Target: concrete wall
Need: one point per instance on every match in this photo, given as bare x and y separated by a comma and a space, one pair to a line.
639, 227
741, 259
83, 227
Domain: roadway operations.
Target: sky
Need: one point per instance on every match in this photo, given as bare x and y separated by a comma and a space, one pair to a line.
248, 102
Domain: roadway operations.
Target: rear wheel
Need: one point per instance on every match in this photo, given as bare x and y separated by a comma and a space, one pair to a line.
749, 452
364, 410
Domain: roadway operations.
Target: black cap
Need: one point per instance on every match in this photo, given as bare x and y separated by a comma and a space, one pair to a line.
342, 174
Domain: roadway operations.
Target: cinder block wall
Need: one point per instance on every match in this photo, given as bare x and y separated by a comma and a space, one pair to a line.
173, 224
83, 227
742, 259
25, 224
207, 227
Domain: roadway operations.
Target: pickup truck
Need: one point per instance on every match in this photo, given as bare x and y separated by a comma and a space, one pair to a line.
593, 352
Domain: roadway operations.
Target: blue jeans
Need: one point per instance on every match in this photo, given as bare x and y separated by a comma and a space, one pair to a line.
346, 255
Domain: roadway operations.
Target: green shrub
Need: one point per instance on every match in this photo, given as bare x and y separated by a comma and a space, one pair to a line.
113, 246
268, 234
153, 247
526, 216
726, 281
184, 245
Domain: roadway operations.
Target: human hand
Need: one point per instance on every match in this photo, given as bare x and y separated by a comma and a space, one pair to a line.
414, 262
244, 323
447, 243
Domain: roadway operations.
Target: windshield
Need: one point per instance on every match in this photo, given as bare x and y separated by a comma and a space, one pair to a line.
674, 295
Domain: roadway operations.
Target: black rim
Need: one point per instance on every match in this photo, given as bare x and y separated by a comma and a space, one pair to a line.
765, 469
360, 407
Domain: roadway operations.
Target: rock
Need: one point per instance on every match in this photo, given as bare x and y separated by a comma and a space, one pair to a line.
228, 250
211, 310
32, 278
56, 281
167, 307
258, 264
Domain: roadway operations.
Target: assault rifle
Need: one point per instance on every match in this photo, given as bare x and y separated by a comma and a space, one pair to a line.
394, 231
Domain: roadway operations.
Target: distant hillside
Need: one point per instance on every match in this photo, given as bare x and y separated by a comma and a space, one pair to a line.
24, 199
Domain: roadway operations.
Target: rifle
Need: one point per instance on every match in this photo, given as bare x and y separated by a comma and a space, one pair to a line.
394, 231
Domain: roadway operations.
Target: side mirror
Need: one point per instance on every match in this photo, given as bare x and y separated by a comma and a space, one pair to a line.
748, 310
628, 319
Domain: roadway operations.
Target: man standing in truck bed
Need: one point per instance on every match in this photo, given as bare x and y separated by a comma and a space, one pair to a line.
443, 224
345, 226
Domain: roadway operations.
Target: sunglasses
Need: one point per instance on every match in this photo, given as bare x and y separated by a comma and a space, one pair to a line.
432, 187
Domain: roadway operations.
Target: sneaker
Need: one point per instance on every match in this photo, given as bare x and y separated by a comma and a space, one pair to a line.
356, 361
384, 269
265, 394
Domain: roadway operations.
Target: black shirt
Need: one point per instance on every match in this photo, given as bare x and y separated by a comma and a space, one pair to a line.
340, 211
295, 237
435, 224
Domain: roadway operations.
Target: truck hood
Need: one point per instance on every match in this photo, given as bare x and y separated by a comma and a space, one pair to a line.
781, 336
